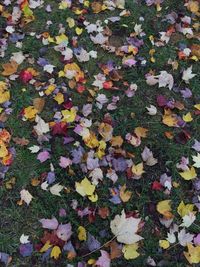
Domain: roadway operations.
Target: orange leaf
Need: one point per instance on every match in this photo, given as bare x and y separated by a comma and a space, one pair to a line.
9, 68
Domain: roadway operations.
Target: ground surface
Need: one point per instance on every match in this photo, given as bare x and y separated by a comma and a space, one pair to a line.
103, 92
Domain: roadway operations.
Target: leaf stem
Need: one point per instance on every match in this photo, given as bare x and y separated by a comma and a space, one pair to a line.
105, 244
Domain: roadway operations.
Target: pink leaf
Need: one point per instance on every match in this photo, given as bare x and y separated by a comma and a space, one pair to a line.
51, 224
104, 260
43, 156
64, 231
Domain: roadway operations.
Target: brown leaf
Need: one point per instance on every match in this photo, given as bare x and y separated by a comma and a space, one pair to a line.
96, 7
21, 141
195, 48
115, 250
103, 212
38, 104
9, 68
3, 117
72, 84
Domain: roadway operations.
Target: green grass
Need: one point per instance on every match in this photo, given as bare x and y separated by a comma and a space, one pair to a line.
16, 220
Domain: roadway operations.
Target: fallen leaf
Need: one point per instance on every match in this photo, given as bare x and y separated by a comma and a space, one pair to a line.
56, 189
125, 229
189, 174
125, 195
9, 68
26, 196
82, 235
130, 251
55, 253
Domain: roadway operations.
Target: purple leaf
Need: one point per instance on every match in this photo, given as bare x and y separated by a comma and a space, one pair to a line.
26, 249
51, 224
103, 260
196, 145
43, 156
64, 231
92, 243
5, 258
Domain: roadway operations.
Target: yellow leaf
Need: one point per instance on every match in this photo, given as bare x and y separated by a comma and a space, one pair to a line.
91, 140
10, 183
64, 5
59, 98
101, 149
61, 74
125, 195
4, 93
93, 197
106, 130
35, 182
73, 67
85, 188
193, 6
141, 132
69, 115
130, 251
82, 236
197, 106
164, 208
55, 252
91, 261
188, 117
78, 30
61, 38
193, 254
30, 112
169, 118
86, 3
138, 169
27, 11
164, 244
51, 39
3, 150
50, 89
184, 209
71, 22
117, 141
189, 175
46, 246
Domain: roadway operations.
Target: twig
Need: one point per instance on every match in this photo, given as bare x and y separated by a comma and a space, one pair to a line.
99, 247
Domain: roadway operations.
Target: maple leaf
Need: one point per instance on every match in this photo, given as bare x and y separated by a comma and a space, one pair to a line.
188, 75
196, 160
41, 127
164, 208
193, 254
189, 174
125, 229
85, 188
24, 239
